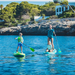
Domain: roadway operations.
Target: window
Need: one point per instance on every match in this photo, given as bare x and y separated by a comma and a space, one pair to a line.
62, 9
66, 7
59, 9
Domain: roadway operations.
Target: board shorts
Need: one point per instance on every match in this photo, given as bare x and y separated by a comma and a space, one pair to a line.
20, 44
50, 37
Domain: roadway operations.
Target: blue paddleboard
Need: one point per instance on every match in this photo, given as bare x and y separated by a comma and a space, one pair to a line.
54, 52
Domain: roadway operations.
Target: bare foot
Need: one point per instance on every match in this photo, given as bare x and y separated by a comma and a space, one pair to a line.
16, 51
46, 50
51, 50
21, 52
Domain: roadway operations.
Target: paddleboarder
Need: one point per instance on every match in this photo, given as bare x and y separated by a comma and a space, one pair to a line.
50, 36
20, 41
49, 47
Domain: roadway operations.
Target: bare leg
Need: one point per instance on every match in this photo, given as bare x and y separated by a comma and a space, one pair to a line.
52, 43
47, 50
51, 50
48, 40
48, 44
21, 49
17, 49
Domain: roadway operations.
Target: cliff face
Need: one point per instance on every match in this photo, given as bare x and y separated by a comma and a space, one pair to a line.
61, 28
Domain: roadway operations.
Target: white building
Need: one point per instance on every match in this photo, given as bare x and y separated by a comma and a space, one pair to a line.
37, 18
60, 9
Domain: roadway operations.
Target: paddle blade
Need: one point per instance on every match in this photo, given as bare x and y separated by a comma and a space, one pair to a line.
32, 49
59, 51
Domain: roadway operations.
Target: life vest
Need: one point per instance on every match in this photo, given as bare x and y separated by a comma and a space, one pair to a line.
20, 39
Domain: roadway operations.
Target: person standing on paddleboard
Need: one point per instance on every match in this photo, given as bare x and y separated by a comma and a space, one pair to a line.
20, 41
50, 36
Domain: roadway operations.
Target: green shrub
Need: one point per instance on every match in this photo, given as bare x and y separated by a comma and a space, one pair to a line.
14, 24
27, 20
6, 24
13, 20
47, 18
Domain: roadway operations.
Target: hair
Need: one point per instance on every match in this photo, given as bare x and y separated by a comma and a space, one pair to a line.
50, 25
20, 34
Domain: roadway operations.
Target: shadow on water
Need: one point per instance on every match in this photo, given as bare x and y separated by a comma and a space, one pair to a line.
32, 55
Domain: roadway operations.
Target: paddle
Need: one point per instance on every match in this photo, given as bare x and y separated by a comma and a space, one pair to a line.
59, 51
30, 48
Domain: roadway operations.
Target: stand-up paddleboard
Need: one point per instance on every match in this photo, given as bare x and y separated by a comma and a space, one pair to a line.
54, 52
18, 54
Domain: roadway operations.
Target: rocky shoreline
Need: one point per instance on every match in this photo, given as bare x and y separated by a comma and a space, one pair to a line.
62, 28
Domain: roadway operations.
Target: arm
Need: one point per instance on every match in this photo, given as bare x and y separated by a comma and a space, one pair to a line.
54, 33
22, 40
16, 38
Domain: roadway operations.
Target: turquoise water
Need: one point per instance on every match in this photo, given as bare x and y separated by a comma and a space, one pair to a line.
4, 3
37, 63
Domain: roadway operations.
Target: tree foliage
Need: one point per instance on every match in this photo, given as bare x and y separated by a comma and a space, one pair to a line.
67, 14
64, 2
1, 7
8, 13
13, 12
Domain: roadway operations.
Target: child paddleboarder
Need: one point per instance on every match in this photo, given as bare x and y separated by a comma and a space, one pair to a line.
20, 42
49, 47
50, 36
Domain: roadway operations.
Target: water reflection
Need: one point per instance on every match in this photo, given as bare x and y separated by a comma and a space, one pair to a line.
51, 58
54, 62
21, 59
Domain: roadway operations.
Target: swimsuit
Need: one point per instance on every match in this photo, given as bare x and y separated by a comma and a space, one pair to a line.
50, 33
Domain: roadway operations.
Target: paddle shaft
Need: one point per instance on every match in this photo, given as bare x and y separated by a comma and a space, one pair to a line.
57, 41
26, 45
29, 48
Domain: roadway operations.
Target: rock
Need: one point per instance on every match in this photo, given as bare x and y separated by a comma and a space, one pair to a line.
60, 27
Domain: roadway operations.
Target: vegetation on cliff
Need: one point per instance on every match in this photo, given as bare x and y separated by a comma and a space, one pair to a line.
14, 12
67, 14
